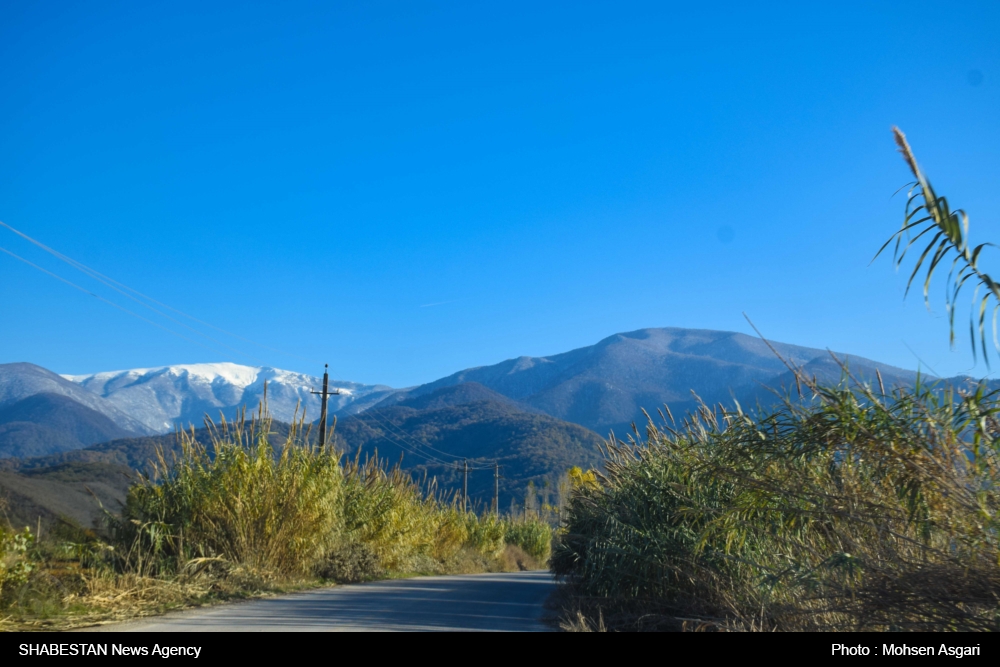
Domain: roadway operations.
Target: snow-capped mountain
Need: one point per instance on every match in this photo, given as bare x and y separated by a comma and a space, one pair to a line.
170, 396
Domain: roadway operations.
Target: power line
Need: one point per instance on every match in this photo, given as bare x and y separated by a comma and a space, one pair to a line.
412, 448
112, 284
405, 448
101, 298
373, 410
124, 289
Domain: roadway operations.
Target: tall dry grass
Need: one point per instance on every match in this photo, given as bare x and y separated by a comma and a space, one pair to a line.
849, 511
294, 509
239, 500
533, 537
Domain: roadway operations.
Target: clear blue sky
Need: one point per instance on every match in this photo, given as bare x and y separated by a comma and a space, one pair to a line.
408, 189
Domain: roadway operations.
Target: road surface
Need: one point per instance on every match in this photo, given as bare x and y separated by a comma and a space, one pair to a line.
499, 602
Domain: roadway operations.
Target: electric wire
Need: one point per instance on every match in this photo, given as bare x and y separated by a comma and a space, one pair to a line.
414, 446
399, 433
402, 434
101, 298
405, 448
111, 284
123, 289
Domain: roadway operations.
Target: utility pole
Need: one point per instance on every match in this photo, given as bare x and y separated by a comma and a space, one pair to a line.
496, 488
465, 487
324, 395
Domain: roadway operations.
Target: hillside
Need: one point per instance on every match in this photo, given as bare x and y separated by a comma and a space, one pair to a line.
25, 439
131, 453
459, 394
75, 492
22, 380
433, 441
605, 386
75, 485
602, 387
829, 371
48, 423
532, 413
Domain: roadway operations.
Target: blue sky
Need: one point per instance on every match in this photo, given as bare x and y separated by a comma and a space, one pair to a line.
407, 189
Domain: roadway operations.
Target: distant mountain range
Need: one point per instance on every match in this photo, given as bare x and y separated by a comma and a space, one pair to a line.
536, 416
602, 387
46, 423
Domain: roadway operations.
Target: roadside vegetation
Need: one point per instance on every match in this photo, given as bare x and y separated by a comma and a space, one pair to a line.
848, 507
239, 517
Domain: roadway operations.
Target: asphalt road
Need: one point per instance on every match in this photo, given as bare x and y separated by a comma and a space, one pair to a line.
498, 602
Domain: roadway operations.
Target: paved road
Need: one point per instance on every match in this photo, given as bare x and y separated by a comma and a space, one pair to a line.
505, 602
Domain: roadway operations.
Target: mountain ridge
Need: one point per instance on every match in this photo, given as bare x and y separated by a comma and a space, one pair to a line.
183, 394
22, 380
434, 441
46, 423
605, 386
427, 440
534, 416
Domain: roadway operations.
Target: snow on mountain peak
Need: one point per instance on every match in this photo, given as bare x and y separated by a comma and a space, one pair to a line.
180, 394
234, 374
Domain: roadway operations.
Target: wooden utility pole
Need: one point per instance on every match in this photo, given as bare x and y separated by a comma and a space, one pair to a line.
324, 395
496, 488
465, 487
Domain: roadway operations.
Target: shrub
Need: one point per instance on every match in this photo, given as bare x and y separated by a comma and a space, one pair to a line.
16, 563
351, 562
514, 559
848, 510
486, 534
452, 532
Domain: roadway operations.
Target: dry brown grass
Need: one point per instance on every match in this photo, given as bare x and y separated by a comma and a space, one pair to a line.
66, 598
